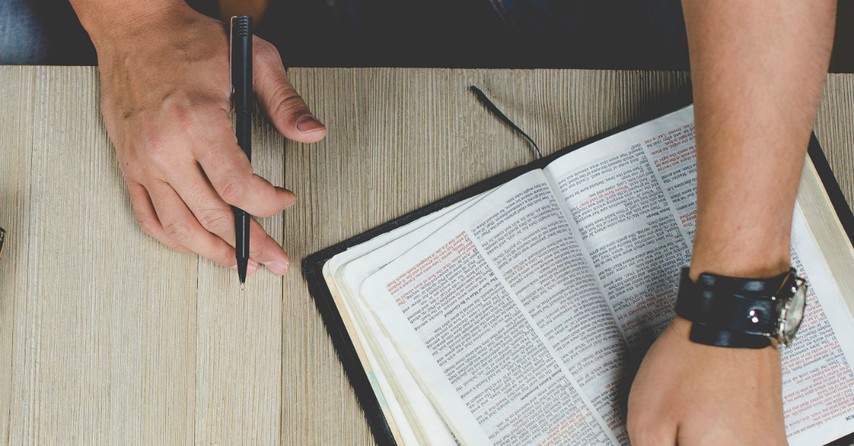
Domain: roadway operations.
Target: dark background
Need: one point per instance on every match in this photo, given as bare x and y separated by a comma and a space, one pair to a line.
606, 34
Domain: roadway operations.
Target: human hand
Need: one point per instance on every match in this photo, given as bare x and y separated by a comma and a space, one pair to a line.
165, 99
693, 395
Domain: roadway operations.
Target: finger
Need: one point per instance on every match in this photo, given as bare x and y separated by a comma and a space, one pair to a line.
278, 98
653, 438
150, 224
267, 250
182, 227
651, 429
230, 172
147, 219
217, 217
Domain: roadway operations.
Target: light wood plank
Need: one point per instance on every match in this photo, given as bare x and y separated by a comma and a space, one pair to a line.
318, 405
239, 354
16, 123
104, 332
835, 131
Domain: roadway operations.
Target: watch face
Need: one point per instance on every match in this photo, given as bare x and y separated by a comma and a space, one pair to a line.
792, 312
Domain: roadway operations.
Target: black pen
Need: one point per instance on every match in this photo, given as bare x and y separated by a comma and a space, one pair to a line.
241, 84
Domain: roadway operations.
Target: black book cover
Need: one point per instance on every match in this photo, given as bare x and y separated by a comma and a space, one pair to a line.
312, 265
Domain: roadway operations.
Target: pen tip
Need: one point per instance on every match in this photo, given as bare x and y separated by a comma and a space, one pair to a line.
241, 269
241, 286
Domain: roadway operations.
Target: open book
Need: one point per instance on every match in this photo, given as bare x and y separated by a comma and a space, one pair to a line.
518, 315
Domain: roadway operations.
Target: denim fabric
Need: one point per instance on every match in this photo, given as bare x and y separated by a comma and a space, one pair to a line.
42, 32
22, 35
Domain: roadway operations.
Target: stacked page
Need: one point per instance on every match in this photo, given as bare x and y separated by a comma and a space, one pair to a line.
519, 316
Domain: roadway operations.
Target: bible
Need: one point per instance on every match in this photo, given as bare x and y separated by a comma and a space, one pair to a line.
517, 311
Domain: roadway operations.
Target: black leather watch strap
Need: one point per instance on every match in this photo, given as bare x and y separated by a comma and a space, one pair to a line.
728, 311
755, 287
727, 303
703, 334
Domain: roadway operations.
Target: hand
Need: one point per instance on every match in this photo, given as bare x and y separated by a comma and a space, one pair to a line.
691, 394
165, 98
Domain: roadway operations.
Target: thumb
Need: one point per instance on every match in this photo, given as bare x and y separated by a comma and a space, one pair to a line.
283, 105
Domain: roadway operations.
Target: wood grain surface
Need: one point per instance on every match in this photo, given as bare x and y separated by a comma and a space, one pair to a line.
107, 337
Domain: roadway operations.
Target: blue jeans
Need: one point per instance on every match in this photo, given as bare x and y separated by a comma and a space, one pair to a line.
42, 32
22, 39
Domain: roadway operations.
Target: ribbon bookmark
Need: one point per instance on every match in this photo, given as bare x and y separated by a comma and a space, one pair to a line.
481, 97
2, 239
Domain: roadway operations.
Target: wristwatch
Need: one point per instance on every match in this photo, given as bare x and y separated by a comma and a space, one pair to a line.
742, 313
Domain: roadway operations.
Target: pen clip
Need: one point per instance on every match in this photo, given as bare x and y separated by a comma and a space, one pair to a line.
231, 57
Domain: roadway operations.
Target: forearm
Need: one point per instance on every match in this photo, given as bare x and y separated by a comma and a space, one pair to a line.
757, 70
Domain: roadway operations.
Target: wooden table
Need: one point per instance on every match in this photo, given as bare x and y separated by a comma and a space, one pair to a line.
107, 337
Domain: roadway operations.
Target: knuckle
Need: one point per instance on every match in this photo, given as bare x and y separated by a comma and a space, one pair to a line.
158, 142
266, 53
215, 220
182, 249
234, 191
178, 230
287, 100
182, 116
224, 256
258, 250
156, 149
642, 432
147, 225
131, 168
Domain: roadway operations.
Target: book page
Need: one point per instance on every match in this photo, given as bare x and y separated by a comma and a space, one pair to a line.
539, 256
629, 215
482, 342
633, 196
416, 418
818, 378
827, 231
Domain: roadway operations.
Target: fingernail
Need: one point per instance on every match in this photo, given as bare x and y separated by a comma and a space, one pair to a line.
292, 199
251, 267
282, 189
277, 267
307, 123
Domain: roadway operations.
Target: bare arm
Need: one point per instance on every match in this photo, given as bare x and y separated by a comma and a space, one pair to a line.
165, 98
757, 68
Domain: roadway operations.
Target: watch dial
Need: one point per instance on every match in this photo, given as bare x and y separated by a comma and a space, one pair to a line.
795, 313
